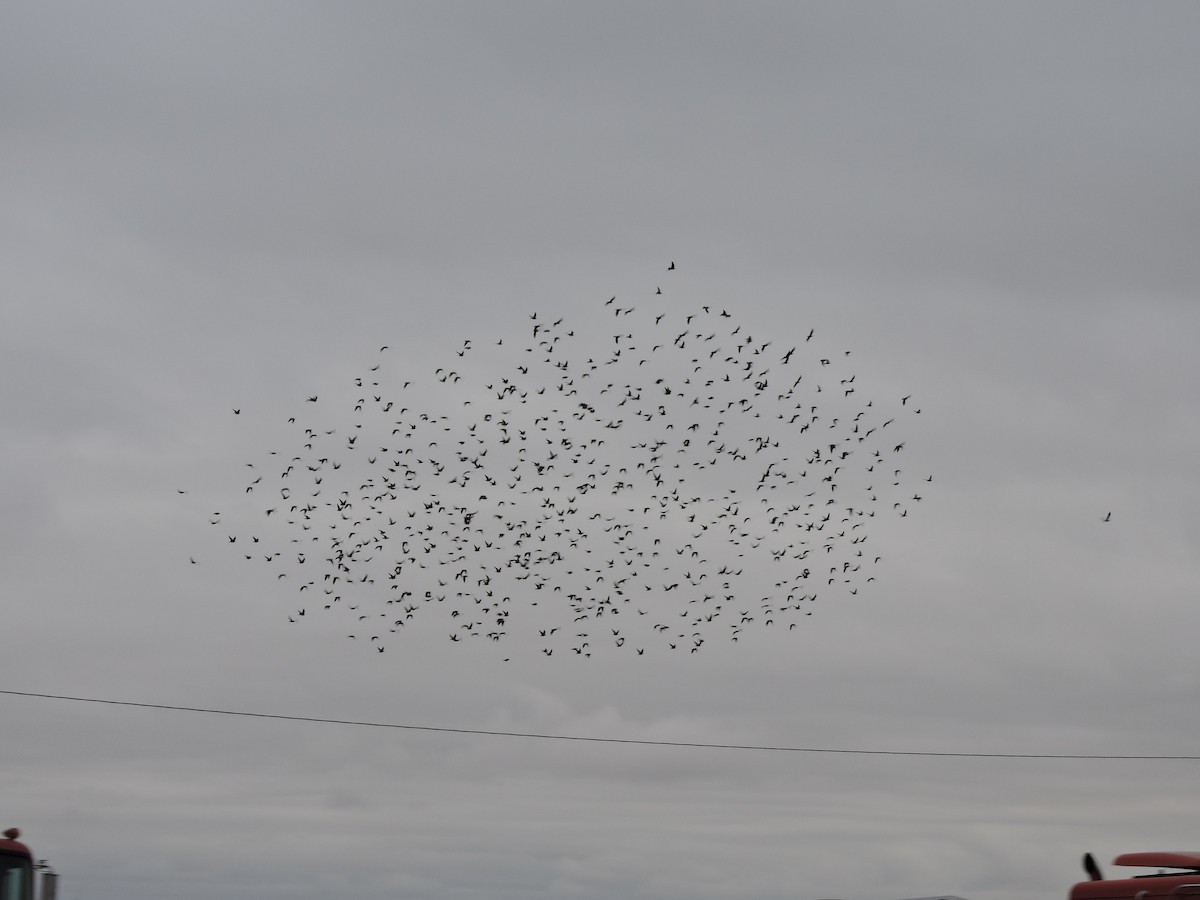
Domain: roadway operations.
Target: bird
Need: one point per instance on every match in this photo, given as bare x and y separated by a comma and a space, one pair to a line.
554, 477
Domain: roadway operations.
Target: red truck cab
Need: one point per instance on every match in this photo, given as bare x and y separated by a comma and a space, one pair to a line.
16, 868
1165, 885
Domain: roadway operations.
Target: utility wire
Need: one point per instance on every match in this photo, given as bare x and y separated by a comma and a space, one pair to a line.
599, 740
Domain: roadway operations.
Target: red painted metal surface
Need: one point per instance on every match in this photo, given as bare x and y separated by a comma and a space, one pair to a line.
12, 845
1165, 886
1166, 859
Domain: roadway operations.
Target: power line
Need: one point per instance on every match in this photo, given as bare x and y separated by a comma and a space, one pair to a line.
598, 740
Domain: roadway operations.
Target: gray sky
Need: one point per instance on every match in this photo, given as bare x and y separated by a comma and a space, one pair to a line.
217, 206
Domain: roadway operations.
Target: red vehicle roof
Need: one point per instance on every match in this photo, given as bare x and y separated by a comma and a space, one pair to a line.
7, 845
1163, 886
1168, 859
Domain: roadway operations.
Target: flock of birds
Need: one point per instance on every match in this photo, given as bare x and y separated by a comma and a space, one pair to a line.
650, 486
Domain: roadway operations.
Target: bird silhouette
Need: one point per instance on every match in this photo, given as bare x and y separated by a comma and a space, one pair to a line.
549, 482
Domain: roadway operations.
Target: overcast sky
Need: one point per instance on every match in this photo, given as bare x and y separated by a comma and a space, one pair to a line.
220, 206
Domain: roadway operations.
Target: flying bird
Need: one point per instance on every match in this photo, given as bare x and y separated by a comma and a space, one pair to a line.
575, 473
